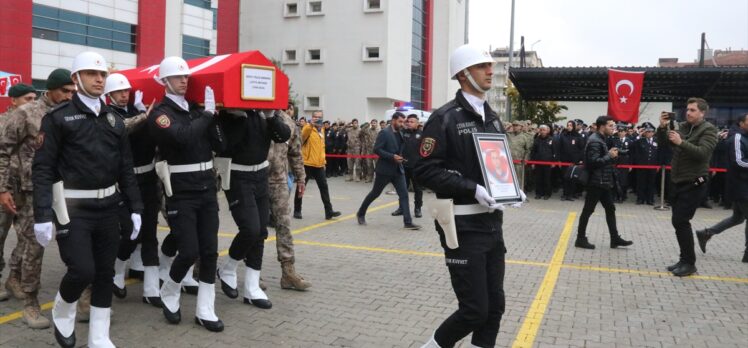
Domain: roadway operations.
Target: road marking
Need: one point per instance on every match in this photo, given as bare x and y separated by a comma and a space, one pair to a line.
534, 316
48, 305
654, 273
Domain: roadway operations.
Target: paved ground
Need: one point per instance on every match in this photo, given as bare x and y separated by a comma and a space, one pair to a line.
381, 286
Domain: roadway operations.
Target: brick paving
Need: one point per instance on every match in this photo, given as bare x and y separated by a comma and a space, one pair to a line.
382, 286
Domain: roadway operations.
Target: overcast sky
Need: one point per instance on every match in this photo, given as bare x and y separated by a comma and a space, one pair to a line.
611, 32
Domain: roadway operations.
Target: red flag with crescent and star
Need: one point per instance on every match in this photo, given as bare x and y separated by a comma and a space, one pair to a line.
624, 94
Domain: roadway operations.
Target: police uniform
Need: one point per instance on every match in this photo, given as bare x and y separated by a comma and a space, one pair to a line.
186, 138
542, 150
90, 153
646, 153
450, 167
248, 139
411, 144
144, 153
624, 146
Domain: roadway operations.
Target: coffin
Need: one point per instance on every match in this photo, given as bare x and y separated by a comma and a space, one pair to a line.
245, 80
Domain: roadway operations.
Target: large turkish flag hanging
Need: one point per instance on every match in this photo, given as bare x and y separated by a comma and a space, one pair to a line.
624, 94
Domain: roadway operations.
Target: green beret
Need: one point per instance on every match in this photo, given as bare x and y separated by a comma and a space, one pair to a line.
19, 90
58, 78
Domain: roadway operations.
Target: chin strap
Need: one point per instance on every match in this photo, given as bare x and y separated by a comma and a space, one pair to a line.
473, 83
168, 86
81, 88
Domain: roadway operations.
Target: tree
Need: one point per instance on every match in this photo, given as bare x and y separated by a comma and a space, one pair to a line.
538, 112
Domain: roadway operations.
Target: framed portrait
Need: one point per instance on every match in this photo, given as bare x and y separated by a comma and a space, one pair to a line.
497, 167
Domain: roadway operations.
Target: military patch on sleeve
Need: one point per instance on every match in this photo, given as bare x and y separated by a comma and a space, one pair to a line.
427, 146
163, 121
39, 140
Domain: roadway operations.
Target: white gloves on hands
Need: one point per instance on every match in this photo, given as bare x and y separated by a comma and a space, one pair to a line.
43, 232
483, 198
138, 102
210, 100
136, 222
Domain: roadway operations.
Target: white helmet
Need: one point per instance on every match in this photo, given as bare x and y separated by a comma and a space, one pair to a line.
173, 66
466, 56
89, 61
116, 82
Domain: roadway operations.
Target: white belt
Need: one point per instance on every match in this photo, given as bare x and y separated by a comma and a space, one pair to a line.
100, 193
187, 168
252, 168
145, 169
470, 209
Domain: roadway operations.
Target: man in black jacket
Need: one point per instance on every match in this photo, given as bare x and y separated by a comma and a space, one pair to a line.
570, 148
599, 162
411, 141
389, 169
737, 181
186, 137
542, 150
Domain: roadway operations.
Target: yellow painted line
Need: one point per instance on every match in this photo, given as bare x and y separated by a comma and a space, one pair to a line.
654, 273
48, 305
534, 316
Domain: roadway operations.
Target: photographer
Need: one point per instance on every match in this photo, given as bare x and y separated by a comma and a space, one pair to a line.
692, 143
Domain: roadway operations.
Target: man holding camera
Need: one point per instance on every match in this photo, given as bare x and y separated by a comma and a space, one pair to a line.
692, 143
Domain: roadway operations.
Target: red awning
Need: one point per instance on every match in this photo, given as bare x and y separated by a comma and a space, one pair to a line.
245, 80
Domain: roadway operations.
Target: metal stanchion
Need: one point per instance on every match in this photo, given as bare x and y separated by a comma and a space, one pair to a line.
662, 191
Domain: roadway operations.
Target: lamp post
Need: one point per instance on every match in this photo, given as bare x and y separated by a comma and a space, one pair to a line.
509, 64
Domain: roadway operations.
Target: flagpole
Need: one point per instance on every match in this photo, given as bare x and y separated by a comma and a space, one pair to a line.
509, 65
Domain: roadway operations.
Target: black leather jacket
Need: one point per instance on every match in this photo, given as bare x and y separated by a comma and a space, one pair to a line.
599, 164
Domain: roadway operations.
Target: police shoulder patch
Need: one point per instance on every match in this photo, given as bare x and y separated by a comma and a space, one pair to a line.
427, 146
163, 121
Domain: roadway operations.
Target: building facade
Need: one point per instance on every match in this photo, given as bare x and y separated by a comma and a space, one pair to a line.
349, 58
355, 58
497, 95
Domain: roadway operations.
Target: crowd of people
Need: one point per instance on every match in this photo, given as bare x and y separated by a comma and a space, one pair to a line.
86, 165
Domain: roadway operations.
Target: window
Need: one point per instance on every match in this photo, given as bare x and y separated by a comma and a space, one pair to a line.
314, 56
51, 23
314, 8
199, 3
312, 103
194, 47
289, 57
418, 63
291, 9
372, 6
371, 54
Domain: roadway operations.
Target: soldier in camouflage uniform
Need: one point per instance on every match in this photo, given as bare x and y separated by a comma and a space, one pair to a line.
19, 94
354, 148
368, 135
284, 157
21, 138
519, 145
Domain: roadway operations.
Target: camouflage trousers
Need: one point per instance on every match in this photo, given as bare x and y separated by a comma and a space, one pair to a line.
367, 168
280, 209
354, 164
6, 220
26, 259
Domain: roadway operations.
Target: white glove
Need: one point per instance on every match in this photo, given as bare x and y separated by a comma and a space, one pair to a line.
43, 232
497, 206
264, 115
138, 102
135, 226
523, 197
210, 100
482, 196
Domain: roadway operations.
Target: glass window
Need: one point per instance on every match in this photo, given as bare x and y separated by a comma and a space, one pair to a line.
199, 3
418, 55
315, 6
55, 24
193, 47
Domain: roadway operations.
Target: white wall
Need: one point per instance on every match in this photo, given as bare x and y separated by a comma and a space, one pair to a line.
449, 33
173, 28
589, 111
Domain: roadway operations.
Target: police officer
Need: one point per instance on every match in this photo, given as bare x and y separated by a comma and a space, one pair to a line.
248, 138
85, 146
624, 146
646, 153
143, 151
411, 142
186, 138
570, 148
449, 165
542, 150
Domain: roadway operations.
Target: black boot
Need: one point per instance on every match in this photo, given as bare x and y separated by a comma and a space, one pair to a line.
616, 241
703, 236
583, 243
397, 212
685, 270
417, 212
331, 214
745, 256
66, 342
674, 266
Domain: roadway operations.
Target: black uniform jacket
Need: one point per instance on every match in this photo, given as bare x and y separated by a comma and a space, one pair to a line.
542, 149
248, 138
142, 144
186, 137
411, 143
449, 163
88, 152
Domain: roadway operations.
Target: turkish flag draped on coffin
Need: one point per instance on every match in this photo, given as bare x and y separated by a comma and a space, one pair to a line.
624, 94
244, 80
